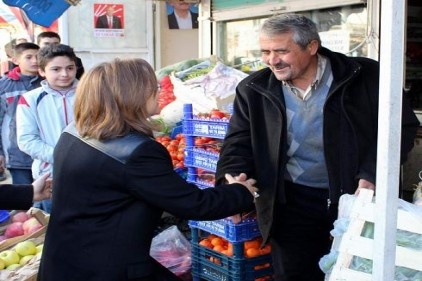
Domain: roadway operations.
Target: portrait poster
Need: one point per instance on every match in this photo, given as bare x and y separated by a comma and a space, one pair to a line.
182, 14
109, 20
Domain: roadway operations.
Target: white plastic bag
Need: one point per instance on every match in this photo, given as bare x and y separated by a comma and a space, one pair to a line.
172, 250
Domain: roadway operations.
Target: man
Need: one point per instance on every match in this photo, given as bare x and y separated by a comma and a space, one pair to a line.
306, 129
109, 20
49, 37
182, 17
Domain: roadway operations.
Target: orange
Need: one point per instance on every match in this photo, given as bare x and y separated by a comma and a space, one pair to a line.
206, 243
218, 248
252, 252
251, 244
217, 241
265, 250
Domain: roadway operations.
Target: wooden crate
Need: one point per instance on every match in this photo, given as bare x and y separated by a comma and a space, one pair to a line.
351, 243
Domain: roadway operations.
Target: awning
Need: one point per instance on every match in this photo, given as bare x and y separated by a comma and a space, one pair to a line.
43, 13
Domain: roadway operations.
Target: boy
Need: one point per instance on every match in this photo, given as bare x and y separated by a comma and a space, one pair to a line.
15, 83
49, 37
44, 112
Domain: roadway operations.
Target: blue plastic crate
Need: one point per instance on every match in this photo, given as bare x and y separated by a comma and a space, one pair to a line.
200, 158
192, 177
225, 228
200, 184
208, 264
176, 130
182, 172
213, 128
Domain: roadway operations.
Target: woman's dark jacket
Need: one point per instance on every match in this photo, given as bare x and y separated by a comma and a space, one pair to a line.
256, 140
108, 202
16, 196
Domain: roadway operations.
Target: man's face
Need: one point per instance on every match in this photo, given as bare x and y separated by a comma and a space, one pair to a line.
27, 62
110, 11
48, 41
180, 4
286, 59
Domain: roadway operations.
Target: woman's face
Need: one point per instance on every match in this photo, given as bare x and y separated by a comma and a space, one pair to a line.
152, 104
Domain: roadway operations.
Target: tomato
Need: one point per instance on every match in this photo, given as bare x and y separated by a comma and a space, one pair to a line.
173, 155
199, 141
174, 142
172, 148
180, 156
165, 143
217, 114
179, 136
165, 138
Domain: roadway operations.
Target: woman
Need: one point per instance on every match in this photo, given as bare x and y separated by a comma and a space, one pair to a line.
113, 181
22, 196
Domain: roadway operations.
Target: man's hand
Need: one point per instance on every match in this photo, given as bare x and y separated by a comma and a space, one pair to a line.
248, 183
365, 184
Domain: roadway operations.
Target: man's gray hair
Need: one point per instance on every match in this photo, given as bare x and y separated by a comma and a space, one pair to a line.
303, 30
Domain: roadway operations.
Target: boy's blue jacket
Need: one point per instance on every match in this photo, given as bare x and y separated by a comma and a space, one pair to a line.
12, 86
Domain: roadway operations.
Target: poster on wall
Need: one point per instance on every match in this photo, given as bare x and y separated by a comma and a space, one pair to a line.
182, 14
108, 20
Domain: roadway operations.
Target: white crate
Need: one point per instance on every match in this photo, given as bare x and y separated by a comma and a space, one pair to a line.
351, 243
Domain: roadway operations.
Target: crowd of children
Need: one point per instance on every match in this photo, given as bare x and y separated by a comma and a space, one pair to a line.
36, 104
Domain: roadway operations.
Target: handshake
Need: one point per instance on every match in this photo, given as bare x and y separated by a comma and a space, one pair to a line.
248, 183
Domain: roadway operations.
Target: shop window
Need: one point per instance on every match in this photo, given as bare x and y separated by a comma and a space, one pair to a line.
343, 29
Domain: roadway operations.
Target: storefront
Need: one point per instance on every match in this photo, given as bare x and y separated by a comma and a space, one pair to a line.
229, 29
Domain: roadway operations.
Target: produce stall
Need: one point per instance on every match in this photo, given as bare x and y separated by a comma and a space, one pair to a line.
22, 235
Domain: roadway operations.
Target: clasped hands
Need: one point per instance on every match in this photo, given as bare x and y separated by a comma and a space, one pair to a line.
43, 187
248, 183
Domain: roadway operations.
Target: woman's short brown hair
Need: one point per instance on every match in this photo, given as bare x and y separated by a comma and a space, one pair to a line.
111, 99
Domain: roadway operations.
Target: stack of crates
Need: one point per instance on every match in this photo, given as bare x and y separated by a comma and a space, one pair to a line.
208, 264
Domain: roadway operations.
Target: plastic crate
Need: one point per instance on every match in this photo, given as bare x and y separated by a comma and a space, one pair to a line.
182, 172
192, 126
213, 128
200, 184
200, 158
192, 177
208, 264
225, 228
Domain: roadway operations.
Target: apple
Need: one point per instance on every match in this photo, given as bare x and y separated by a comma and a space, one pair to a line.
39, 248
31, 225
2, 265
14, 229
13, 266
2, 237
26, 248
24, 260
20, 216
9, 257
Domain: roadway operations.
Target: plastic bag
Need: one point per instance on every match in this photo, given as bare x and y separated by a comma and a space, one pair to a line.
172, 250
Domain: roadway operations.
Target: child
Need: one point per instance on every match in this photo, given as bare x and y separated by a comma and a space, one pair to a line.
43, 113
15, 83
50, 37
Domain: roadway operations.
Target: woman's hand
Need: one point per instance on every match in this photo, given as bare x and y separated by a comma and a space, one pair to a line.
43, 187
